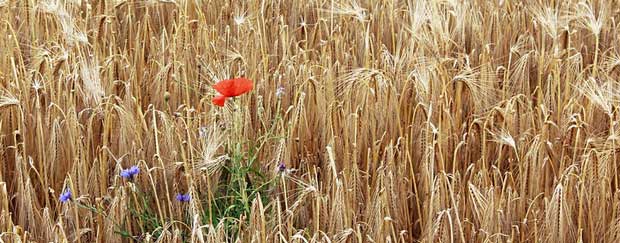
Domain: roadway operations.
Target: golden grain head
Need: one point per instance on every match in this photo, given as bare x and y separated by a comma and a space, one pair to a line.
366, 121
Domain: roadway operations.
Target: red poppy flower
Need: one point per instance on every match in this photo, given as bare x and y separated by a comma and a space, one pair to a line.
231, 88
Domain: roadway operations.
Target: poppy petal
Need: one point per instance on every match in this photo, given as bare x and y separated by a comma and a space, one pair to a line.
219, 100
233, 87
242, 86
225, 87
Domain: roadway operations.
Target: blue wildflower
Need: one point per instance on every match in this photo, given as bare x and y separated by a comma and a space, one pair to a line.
281, 167
280, 91
65, 196
203, 132
130, 173
125, 174
134, 170
183, 197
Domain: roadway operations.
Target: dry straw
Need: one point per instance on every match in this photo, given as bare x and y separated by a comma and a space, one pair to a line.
369, 121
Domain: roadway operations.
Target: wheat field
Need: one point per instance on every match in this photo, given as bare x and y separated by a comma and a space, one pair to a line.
368, 121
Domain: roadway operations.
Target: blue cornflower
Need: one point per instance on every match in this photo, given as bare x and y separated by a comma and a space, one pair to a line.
65, 196
183, 197
281, 167
130, 173
280, 91
203, 132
